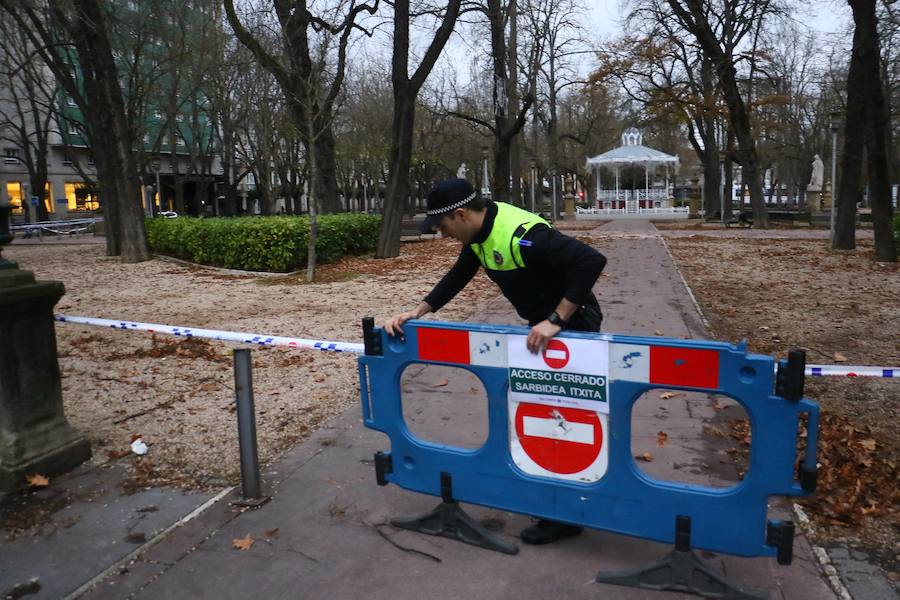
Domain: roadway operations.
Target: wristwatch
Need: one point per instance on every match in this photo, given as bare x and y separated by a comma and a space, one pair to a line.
556, 319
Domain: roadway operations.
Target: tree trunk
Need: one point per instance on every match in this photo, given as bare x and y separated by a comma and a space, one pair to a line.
398, 176
326, 169
110, 133
313, 208
866, 125
406, 89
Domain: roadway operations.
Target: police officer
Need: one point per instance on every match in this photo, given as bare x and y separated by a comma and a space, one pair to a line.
547, 276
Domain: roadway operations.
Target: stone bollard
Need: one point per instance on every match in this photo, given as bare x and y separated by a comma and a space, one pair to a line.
35, 436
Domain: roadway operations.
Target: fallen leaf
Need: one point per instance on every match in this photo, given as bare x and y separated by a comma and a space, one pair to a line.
646, 457
667, 395
209, 387
661, 438
838, 357
440, 383
867, 444
37, 480
243, 543
271, 533
658, 332
116, 454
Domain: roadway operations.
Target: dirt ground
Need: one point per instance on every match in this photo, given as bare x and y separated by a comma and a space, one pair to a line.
178, 395
842, 308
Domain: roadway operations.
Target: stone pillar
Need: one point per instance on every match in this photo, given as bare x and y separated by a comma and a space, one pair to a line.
35, 436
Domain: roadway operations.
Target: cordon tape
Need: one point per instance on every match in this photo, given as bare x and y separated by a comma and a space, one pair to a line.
328, 346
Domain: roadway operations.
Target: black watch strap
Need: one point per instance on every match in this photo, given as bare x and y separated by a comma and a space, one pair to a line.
556, 319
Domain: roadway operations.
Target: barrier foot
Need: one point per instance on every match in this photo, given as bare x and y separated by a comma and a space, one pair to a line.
450, 521
682, 571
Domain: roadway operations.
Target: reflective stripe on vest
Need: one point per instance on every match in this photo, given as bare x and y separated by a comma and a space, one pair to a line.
501, 250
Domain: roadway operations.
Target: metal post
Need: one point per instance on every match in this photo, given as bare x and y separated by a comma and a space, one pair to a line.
532, 184
553, 197
158, 192
243, 391
722, 188
835, 116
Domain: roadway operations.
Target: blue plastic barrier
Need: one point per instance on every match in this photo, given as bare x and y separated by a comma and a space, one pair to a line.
559, 433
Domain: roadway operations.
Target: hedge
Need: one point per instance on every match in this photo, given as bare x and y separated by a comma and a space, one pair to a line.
274, 244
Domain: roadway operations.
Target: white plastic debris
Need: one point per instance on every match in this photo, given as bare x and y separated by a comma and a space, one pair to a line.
139, 447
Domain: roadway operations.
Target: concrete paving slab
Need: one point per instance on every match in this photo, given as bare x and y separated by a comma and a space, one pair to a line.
83, 523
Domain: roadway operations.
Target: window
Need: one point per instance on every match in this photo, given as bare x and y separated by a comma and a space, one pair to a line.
14, 193
67, 159
48, 198
79, 198
11, 156
70, 101
73, 128
180, 143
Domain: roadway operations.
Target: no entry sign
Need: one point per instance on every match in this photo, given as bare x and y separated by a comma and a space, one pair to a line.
558, 407
559, 442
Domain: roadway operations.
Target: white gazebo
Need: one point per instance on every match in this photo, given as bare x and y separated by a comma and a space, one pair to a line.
633, 152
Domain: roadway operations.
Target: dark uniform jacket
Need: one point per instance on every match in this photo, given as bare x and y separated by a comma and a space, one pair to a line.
556, 266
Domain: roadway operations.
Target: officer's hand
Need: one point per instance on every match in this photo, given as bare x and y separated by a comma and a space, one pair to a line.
393, 325
540, 334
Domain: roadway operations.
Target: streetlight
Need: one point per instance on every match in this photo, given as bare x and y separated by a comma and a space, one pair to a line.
835, 124
533, 162
485, 181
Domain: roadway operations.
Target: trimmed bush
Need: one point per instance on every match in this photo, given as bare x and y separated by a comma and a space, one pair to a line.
274, 244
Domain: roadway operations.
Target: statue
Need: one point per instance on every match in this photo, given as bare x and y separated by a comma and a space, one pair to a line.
818, 170
461, 171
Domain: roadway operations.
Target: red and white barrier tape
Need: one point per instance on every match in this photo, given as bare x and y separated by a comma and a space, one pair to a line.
328, 346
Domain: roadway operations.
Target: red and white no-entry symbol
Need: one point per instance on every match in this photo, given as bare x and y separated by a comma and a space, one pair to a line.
556, 354
558, 439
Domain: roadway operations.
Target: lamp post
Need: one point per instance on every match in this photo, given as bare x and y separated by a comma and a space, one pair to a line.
835, 124
158, 189
722, 188
533, 163
485, 181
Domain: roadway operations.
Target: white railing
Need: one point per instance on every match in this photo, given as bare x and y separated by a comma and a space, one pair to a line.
70, 227
654, 194
674, 210
621, 211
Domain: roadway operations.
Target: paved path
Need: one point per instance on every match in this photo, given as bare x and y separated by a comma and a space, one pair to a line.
324, 533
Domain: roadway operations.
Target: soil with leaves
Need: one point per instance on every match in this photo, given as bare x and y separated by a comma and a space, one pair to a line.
842, 308
177, 395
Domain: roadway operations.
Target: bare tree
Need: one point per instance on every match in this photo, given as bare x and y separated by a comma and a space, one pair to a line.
73, 39
28, 110
295, 66
866, 126
406, 89
719, 28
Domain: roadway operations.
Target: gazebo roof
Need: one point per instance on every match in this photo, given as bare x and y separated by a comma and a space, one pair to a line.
630, 152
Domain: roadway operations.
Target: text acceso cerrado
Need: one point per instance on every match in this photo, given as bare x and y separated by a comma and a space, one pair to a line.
555, 383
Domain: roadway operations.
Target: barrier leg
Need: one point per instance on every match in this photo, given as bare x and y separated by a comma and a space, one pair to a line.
682, 571
450, 521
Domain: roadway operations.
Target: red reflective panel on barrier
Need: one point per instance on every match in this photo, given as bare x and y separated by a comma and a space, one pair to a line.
686, 367
444, 345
